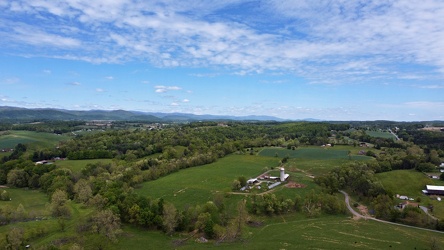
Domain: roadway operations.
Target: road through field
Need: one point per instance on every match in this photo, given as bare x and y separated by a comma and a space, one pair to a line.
358, 215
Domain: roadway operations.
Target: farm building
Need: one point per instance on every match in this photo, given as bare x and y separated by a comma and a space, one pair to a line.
252, 181
283, 176
434, 190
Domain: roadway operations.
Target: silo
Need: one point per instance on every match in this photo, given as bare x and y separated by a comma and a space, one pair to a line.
282, 176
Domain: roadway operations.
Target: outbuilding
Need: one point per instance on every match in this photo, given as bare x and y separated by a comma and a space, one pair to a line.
434, 190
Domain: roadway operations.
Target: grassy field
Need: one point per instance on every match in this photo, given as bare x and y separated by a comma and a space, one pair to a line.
48, 230
316, 160
198, 185
10, 139
298, 232
410, 183
381, 134
313, 153
77, 165
32, 200
405, 182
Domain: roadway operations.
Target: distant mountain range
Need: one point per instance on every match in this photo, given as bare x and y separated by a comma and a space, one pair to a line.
23, 114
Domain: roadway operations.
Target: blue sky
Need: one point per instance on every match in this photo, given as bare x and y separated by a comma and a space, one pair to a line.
334, 60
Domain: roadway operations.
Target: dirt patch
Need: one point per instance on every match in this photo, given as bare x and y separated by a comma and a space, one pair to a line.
436, 129
2, 186
363, 210
292, 184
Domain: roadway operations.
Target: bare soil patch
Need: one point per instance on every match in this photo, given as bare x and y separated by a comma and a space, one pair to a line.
292, 184
363, 210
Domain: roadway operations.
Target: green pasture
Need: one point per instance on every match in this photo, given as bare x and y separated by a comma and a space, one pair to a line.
10, 139
197, 185
380, 134
34, 201
3, 154
39, 233
77, 165
311, 153
298, 177
410, 183
316, 161
299, 232
405, 182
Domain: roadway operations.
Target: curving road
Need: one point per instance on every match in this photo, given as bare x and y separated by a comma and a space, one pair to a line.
347, 202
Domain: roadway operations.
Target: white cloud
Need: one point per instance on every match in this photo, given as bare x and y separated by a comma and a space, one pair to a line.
435, 86
174, 104
426, 105
75, 83
323, 41
109, 78
185, 100
163, 89
100, 90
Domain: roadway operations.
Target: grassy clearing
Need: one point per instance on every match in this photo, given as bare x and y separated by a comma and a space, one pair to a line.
197, 185
11, 138
32, 200
380, 134
3, 154
136, 238
77, 165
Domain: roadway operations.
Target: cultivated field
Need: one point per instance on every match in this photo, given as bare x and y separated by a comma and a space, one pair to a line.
380, 134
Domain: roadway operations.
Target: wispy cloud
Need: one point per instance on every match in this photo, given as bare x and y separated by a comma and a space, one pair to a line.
100, 90
163, 89
75, 83
10, 80
109, 78
426, 105
323, 41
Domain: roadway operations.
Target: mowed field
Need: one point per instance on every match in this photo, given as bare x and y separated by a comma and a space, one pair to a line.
197, 185
298, 232
316, 160
9, 139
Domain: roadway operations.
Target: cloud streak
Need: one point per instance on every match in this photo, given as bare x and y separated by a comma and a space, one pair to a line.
325, 42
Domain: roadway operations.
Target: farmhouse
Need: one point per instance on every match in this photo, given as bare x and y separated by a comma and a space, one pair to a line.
434, 190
